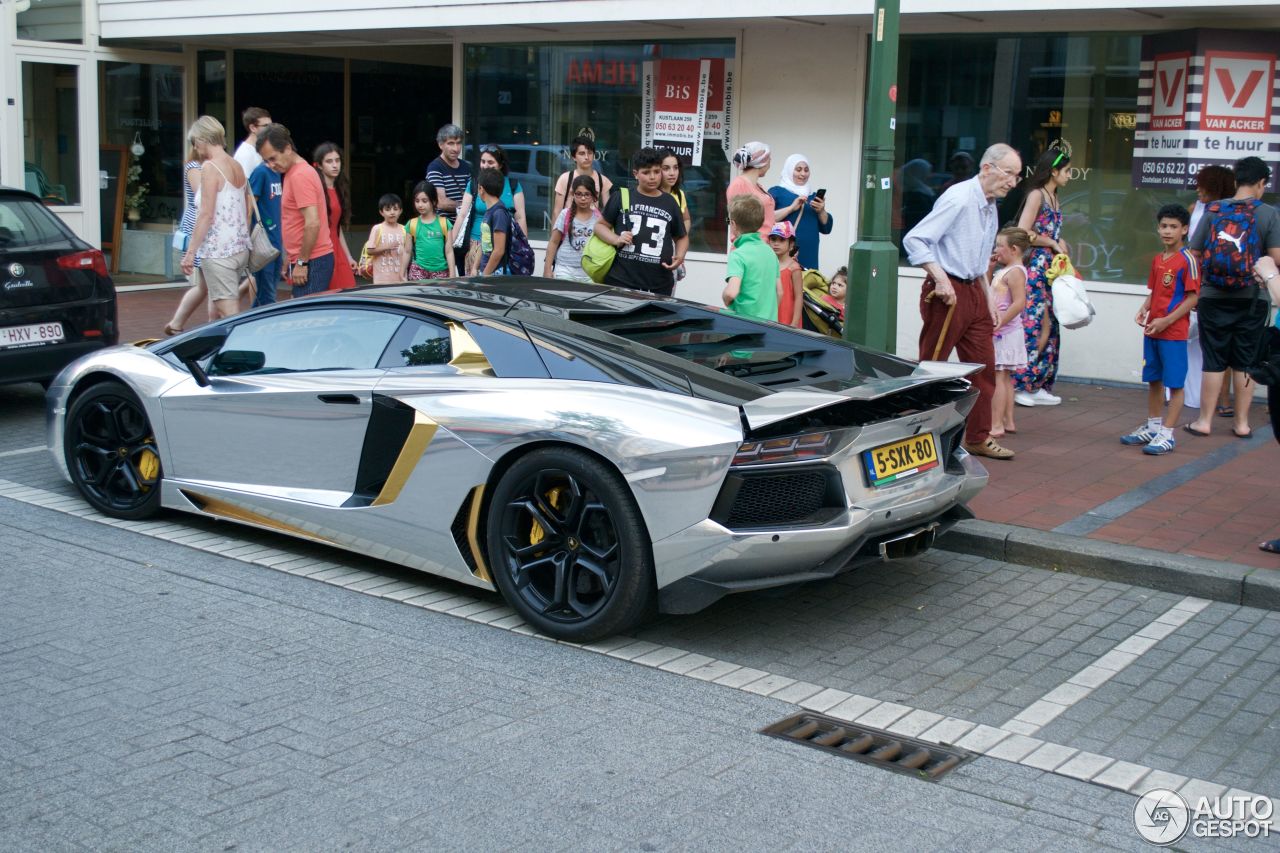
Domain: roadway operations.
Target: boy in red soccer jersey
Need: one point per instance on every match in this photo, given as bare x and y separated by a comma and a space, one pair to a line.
1174, 285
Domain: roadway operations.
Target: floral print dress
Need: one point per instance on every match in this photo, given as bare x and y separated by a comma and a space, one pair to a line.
1042, 365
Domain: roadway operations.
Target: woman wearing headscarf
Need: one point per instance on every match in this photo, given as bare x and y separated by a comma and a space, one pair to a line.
752, 161
808, 214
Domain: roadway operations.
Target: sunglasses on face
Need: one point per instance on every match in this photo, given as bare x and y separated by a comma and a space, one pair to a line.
583, 195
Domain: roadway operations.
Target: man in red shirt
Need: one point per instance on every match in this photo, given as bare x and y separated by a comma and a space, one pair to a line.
1174, 283
303, 214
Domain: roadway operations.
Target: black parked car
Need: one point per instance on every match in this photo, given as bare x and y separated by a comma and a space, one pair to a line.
57, 301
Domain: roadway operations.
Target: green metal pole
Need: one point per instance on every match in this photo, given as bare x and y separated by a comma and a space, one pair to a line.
871, 302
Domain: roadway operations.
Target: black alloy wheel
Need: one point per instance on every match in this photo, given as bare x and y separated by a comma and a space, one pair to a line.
111, 452
568, 546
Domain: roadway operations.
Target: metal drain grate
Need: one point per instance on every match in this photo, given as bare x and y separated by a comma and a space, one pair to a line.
871, 746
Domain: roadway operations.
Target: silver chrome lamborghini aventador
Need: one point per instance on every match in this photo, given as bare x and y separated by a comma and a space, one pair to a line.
590, 452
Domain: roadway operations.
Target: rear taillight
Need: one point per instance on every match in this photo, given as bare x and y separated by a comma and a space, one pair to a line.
89, 260
792, 448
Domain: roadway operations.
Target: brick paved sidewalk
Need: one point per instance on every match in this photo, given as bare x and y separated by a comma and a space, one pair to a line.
1209, 498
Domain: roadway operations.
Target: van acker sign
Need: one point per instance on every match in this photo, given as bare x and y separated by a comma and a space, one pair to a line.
1205, 97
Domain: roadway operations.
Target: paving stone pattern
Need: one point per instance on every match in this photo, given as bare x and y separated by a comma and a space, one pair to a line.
162, 698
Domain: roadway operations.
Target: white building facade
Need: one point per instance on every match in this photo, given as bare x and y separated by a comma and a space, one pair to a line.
86, 84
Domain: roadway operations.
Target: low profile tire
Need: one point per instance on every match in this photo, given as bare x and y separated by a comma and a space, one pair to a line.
111, 452
568, 547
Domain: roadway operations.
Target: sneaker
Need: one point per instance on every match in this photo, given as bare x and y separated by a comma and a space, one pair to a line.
1044, 398
1159, 446
1023, 398
1142, 435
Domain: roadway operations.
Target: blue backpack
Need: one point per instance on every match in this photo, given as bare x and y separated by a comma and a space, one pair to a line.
1234, 245
519, 259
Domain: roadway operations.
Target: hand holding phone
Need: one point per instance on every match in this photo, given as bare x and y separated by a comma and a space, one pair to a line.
822, 194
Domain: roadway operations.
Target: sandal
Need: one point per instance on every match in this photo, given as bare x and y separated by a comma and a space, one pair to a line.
1225, 411
1189, 428
1237, 434
171, 330
1271, 546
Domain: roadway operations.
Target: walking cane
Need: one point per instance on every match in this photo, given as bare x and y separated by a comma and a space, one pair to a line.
946, 325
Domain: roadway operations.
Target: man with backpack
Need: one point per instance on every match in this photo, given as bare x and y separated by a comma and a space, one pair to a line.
1232, 236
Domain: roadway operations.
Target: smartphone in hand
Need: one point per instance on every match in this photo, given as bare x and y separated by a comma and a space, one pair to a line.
822, 194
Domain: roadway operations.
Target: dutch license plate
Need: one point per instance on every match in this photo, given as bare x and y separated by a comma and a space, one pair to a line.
37, 333
889, 463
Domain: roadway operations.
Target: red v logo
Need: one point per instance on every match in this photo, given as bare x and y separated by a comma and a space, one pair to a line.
1170, 90
1246, 91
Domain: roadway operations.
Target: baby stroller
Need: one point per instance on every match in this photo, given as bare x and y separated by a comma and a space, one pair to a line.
819, 315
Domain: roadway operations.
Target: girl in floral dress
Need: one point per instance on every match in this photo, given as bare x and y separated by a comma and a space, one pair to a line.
1042, 217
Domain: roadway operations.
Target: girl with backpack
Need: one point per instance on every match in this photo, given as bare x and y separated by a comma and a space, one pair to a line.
429, 249
571, 232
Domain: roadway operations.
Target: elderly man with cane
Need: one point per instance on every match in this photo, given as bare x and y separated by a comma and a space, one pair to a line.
953, 245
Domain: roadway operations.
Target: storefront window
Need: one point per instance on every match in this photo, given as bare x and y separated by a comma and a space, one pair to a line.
958, 95
142, 110
51, 132
211, 88
304, 93
533, 99
387, 139
52, 20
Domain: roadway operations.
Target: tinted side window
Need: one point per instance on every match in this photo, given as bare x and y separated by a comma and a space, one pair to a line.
322, 339
418, 344
26, 224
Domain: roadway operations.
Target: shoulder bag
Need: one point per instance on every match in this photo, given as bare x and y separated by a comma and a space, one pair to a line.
597, 255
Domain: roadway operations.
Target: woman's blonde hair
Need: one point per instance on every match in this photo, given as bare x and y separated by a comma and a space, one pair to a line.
207, 130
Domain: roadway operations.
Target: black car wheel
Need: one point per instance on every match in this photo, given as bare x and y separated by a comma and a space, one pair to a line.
111, 452
568, 546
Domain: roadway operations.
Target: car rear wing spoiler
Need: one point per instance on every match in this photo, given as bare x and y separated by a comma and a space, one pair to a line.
782, 405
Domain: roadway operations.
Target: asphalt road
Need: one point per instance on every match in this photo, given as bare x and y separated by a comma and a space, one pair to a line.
189, 684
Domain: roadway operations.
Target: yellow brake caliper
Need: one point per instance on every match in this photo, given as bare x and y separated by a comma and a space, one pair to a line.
149, 463
536, 533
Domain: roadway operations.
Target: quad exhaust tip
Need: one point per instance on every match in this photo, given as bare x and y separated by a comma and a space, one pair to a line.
877, 747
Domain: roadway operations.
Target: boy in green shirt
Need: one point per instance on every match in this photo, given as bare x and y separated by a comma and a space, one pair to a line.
752, 275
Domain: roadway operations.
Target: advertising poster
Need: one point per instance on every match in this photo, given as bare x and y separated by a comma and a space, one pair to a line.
1204, 97
719, 102
675, 105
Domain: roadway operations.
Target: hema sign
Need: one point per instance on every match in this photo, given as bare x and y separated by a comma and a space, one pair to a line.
1204, 97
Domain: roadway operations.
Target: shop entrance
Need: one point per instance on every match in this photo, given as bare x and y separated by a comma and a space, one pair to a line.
383, 112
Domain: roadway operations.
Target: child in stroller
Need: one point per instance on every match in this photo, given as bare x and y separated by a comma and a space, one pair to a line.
824, 302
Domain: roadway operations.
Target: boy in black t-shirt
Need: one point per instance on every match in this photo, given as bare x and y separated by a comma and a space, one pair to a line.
648, 232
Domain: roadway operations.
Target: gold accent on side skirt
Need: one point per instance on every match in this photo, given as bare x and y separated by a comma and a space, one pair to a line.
420, 435
473, 534
231, 512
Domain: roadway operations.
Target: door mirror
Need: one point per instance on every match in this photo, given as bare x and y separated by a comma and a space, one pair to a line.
200, 345
234, 361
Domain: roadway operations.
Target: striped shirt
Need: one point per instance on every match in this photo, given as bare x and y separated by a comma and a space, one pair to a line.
958, 234
451, 179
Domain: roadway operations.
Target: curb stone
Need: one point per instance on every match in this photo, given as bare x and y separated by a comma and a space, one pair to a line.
1216, 580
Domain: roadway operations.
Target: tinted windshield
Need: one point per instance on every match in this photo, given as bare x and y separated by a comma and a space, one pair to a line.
25, 224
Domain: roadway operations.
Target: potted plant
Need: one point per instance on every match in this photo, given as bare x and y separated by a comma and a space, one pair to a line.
135, 193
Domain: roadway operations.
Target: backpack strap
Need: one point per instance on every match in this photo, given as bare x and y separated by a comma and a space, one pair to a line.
413, 228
